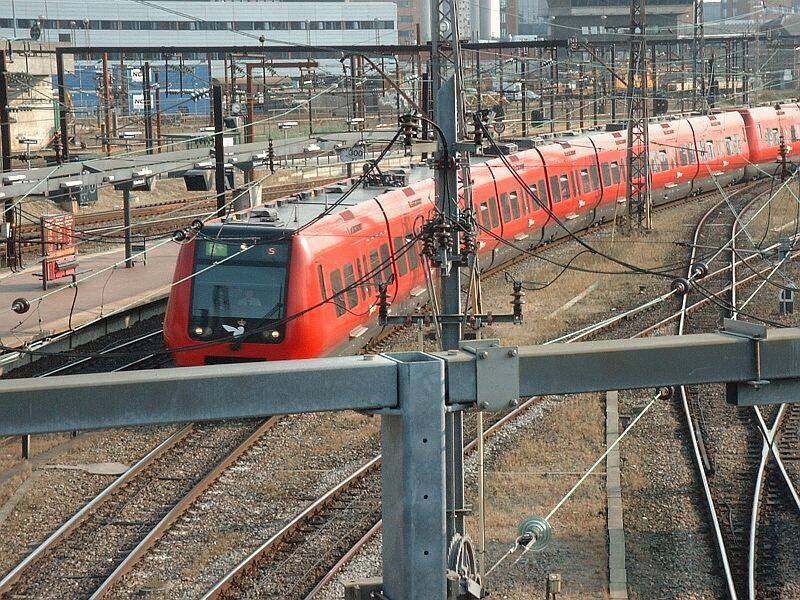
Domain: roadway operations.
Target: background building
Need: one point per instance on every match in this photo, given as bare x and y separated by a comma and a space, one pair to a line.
200, 23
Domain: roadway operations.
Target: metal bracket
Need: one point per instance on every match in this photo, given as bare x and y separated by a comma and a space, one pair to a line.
496, 373
751, 331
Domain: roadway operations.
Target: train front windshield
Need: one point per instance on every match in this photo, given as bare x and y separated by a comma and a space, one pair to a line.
238, 285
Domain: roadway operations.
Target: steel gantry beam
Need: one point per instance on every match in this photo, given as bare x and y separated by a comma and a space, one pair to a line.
638, 180
413, 392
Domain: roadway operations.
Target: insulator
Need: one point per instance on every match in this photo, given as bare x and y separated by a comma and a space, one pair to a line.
535, 533
681, 286
665, 393
383, 304
517, 301
20, 306
179, 236
198, 225
699, 270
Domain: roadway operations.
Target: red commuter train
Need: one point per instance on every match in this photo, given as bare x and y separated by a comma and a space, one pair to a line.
292, 281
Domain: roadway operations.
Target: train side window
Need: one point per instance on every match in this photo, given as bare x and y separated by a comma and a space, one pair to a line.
514, 204
654, 164
768, 136
363, 285
606, 174
692, 155
794, 133
321, 275
595, 177
564, 180
485, 214
662, 154
506, 208
386, 261
776, 137
350, 284
413, 257
525, 201
759, 131
337, 287
493, 212
535, 191
737, 143
575, 187
587, 186
709, 150
729, 146
682, 156
374, 267
555, 190
542, 191
614, 171
400, 256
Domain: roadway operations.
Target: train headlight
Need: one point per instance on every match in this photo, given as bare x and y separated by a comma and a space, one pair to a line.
275, 334
198, 331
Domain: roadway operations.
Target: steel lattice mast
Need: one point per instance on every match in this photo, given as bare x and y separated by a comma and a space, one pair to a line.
638, 179
699, 93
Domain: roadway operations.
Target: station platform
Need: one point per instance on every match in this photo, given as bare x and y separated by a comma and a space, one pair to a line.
102, 289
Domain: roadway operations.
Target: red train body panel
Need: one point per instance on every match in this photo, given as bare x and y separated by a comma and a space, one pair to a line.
309, 288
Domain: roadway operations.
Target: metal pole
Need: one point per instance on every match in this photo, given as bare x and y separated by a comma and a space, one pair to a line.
158, 112
126, 211
613, 84
148, 109
210, 83
107, 104
594, 96
524, 91
123, 85
581, 89
5, 141
553, 85
62, 105
219, 148
249, 131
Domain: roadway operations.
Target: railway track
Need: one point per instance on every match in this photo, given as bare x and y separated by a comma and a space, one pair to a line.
84, 551
125, 560
163, 217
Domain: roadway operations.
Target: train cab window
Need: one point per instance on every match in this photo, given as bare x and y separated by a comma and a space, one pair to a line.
400, 256
555, 190
413, 256
564, 181
606, 174
350, 284
322, 288
386, 261
587, 187
484, 218
505, 207
662, 155
493, 212
682, 156
614, 171
337, 287
514, 204
595, 177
